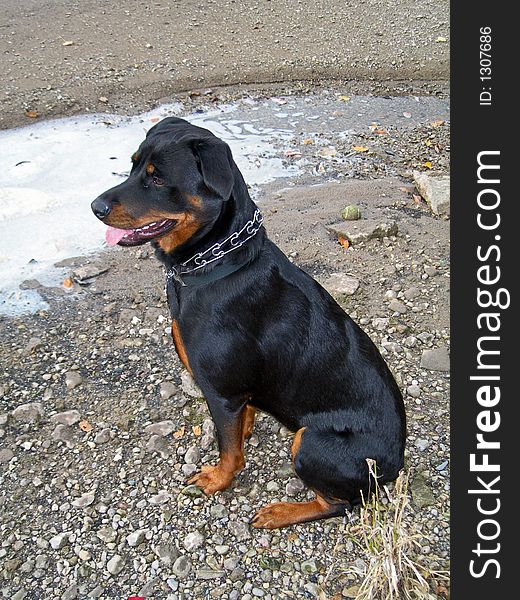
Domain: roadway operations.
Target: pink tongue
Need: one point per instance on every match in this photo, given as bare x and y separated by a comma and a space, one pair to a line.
113, 235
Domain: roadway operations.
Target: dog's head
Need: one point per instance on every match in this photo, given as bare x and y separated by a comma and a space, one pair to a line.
181, 176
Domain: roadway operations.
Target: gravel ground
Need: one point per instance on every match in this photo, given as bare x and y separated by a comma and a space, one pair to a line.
100, 427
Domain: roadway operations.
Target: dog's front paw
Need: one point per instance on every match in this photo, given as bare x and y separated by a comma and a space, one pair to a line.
212, 479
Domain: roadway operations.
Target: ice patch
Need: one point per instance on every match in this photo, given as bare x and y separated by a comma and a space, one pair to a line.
51, 171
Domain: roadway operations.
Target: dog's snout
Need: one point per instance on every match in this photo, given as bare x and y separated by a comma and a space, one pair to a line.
101, 207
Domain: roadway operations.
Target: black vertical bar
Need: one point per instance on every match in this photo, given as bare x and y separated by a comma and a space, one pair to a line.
484, 118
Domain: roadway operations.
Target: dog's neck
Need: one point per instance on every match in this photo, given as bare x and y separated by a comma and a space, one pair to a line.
236, 212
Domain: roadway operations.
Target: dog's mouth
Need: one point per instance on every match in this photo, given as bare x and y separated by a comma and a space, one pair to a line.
140, 235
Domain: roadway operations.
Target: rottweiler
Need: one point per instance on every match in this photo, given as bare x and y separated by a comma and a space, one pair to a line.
253, 329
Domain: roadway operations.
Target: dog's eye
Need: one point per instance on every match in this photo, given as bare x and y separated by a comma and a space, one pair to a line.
157, 180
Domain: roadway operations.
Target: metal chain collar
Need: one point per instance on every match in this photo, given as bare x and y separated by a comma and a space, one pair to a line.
218, 250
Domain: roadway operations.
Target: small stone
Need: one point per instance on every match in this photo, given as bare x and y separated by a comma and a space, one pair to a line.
28, 413
231, 563
442, 465
363, 230
218, 511
107, 534
308, 566
189, 386
41, 561
411, 293
86, 272
73, 379
209, 574
33, 344
19, 595
136, 537
95, 592
162, 428
104, 436
158, 444
192, 455
59, 541
167, 389
167, 553
272, 486
189, 469
193, 541
84, 500
63, 433
239, 529
430, 271
71, 592
380, 323
396, 306
294, 486
181, 567
161, 498
6, 454
414, 391
436, 359
115, 564
350, 592
221, 549
351, 213
340, 285
68, 417
421, 493
421, 444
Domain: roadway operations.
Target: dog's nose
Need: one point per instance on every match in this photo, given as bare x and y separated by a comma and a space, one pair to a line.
101, 207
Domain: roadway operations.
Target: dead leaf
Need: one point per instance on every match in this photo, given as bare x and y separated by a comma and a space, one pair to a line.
417, 199
178, 434
85, 426
380, 131
68, 43
428, 164
103, 99
32, 114
360, 148
197, 430
344, 98
437, 123
68, 283
343, 242
327, 152
441, 39
307, 142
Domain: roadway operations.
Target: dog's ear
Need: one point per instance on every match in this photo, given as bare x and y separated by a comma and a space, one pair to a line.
214, 160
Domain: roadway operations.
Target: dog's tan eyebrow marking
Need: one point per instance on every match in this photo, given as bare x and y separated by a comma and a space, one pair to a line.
135, 157
150, 169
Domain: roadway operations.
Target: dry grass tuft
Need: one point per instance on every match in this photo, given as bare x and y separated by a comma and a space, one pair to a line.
394, 570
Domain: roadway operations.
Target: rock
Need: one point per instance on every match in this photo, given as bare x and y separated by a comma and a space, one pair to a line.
6, 454
189, 386
209, 574
193, 541
161, 498
430, 270
71, 592
309, 566
31, 412
294, 486
59, 541
68, 417
192, 455
421, 444
239, 529
115, 564
414, 391
162, 428
351, 213
83, 501
72, 379
364, 230
158, 444
102, 437
167, 389
340, 285
218, 511
63, 433
136, 537
380, 324
107, 534
442, 465
181, 567
19, 595
33, 344
396, 306
436, 359
85, 272
421, 493
167, 553
350, 592
411, 293
435, 190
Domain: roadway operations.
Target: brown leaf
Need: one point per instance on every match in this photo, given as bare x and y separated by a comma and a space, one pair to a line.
360, 148
343, 241
437, 123
85, 426
344, 98
307, 142
178, 434
428, 164
32, 114
68, 283
197, 430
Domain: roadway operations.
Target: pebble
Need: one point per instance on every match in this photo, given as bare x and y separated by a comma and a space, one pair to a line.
351, 213
136, 537
421, 444
340, 285
167, 389
162, 428
63, 433
71, 592
192, 455
115, 564
29, 413
397, 306
6, 454
436, 359
219, 511
106, 534
161, 498
73, 379
84, 500
294, 486
239, 529
309, 566
59, 541
414, 391
158, 444
102, 437
167, 553
181, 567
189, 386
193, 541
68, 417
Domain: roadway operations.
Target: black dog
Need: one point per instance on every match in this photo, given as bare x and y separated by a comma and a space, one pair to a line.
253, 329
